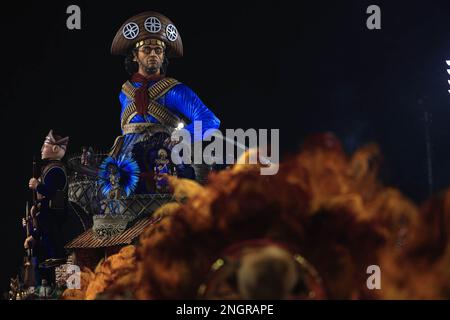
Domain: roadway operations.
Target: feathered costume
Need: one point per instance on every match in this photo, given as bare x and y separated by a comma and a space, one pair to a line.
125, 169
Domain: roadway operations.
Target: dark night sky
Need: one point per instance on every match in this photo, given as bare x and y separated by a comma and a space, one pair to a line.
304, 69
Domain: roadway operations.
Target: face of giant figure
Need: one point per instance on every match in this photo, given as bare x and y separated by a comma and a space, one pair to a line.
150, 58
52, 152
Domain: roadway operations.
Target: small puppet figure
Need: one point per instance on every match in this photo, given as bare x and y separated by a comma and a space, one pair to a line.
50, 207
161, 169
44, 291
116, 190
118, 177
86, 156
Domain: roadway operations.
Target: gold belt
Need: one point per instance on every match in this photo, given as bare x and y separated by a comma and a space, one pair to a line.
141, 127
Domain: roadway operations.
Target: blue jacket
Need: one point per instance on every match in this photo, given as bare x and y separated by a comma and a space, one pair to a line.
180, 100
49, 221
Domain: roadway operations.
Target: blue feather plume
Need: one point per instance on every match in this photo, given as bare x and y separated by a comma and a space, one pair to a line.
127, 169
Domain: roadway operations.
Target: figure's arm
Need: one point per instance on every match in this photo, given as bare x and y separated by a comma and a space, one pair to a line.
54, 180
123, 104
183, 100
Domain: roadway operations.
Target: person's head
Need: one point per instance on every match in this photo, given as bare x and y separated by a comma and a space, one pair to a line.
162, 154
148, 58
268, 273
54, 147
112, 168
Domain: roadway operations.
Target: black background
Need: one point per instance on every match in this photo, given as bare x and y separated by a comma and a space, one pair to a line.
300, 66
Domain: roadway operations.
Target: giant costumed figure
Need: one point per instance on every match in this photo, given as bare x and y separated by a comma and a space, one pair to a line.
152, 102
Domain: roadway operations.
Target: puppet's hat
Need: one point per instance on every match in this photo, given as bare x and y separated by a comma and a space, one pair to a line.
56, 140
145, 26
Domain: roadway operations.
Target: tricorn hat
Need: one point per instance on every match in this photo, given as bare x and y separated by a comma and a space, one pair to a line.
147, 25
56, 140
